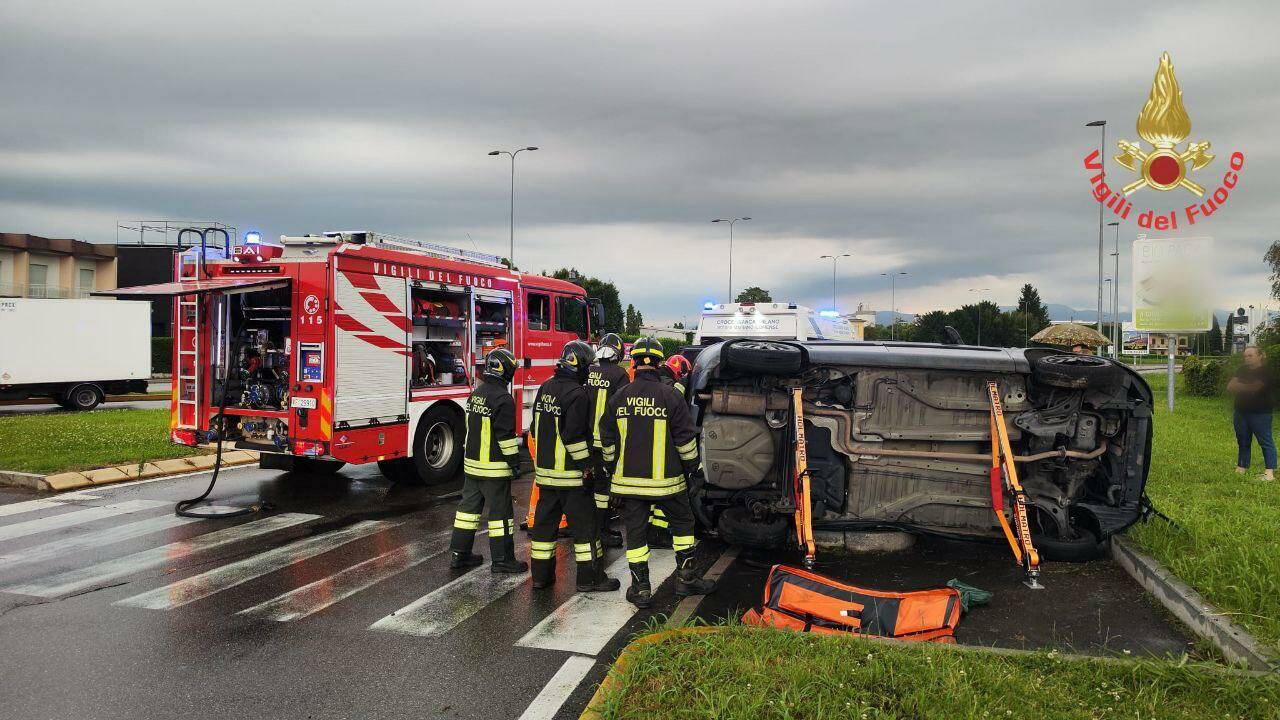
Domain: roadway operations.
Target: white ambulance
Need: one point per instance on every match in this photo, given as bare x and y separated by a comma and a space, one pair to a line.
770, 321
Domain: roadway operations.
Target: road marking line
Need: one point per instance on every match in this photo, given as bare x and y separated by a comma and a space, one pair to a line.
197, 587
79, 517
33, 505
444, 608
93, 540
558, 689
586, 622
316, 596
104, 572
689, 605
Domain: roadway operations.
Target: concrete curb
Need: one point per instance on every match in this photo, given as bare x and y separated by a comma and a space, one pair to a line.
63, 482
1191, 608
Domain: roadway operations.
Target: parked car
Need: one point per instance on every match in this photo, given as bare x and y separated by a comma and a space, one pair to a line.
898, 436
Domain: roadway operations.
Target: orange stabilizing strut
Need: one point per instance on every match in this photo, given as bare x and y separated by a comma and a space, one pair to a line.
804, 510
533, 488
1004, 477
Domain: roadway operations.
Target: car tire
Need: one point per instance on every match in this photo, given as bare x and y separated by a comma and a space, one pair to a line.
83, 397
316, 466
1083, 547
438, 446
1073, 371
737, 527
764, 357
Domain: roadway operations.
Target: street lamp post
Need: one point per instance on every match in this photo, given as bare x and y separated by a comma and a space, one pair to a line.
1102, 158
731, 221
834, 259
979, 291
1115, 295
893, 302
1111, 310
511, 254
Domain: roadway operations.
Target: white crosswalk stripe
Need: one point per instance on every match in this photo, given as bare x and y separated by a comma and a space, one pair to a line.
316, 596
197, 587
77, 517
84, 578
33, 505
443, 609
586, 622
92, 540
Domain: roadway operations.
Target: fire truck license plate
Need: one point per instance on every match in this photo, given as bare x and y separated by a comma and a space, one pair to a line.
301, 402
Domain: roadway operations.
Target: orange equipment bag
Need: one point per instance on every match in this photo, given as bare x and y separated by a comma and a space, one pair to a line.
800, 600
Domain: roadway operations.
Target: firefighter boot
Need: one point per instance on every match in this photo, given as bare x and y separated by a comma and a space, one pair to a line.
610, 537
688, 582
502, 551
592, 578
640, 594
465, 559
543, 572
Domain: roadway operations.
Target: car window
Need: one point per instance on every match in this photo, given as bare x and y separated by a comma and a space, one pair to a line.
571, 316
538, 309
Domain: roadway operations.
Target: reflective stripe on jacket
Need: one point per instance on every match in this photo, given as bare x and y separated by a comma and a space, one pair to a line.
492, 449
561, 431
649, 439
603, 381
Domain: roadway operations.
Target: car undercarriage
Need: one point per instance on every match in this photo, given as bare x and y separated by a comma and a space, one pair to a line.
898, 435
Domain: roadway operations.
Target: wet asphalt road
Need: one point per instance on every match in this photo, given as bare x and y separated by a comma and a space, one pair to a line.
98, 644
344, 607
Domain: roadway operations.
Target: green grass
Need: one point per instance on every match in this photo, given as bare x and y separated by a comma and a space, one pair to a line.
748, 673
1227, 545
48, 443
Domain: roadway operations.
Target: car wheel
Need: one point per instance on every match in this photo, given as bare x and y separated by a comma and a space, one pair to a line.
1082, 546
768, 358
1073, 371
737, 527
438, 445
316, 466
83, 397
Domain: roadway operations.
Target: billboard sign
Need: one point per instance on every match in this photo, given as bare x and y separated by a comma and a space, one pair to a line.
1134, 342
1171, 283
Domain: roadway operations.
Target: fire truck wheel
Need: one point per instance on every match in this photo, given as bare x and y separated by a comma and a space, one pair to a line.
82, 397
437, 446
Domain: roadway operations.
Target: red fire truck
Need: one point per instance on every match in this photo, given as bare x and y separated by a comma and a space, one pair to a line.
354, 347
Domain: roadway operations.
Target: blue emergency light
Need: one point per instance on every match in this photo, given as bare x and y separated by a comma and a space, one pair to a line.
253, 237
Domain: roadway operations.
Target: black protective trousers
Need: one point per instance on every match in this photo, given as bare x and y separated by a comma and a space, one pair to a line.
635, 518
576, 505
477, 494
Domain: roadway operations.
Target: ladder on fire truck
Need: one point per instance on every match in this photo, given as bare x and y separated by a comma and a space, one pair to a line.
187, 375
404, 244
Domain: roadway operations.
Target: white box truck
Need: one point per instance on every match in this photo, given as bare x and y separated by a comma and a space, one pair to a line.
74, 351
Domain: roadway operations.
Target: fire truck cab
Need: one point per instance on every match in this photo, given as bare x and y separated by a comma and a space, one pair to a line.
354, 347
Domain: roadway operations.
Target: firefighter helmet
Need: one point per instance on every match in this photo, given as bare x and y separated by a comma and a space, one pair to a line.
610, 348
576, 357
647, 352
679, 366
501, 364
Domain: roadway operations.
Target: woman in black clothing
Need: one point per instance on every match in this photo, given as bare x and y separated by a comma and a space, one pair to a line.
1252, 387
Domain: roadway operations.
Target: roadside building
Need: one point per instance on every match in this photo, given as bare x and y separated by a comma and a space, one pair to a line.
666, 333
32, 266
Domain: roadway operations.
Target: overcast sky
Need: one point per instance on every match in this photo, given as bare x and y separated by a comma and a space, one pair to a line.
942, 140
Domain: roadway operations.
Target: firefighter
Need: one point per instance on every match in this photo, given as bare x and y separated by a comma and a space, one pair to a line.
491, 460
651, 443
674, 372
604, 379
562, 469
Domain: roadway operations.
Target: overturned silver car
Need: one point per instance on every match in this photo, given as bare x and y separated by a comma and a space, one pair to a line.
898, 435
